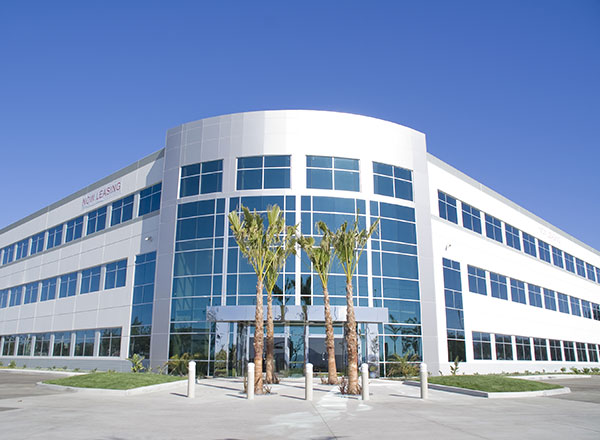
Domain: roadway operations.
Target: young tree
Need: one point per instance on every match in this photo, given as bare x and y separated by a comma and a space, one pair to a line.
349, 244
278, 254
321, 257
255, 243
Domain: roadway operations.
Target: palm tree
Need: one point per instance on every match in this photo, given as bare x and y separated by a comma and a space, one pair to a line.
277, 255
255, 243
321, 257
349, 244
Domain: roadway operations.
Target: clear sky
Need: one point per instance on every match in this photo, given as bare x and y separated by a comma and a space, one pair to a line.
506, 91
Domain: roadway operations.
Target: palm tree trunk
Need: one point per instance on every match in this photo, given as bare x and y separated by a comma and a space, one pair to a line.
351, 341
270, 339
258, 340
329, 341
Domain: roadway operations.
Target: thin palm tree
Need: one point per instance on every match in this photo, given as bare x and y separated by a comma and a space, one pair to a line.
349, 244
278, 255
255, 244
321, 257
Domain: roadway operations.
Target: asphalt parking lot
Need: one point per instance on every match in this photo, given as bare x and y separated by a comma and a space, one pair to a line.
15, 384
582, 390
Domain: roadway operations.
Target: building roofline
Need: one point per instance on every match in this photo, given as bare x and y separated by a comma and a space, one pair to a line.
123, 171
467, 179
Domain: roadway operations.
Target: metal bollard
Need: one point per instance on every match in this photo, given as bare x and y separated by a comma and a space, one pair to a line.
191, 380
364, 369
250, 381
308, 384
423, 375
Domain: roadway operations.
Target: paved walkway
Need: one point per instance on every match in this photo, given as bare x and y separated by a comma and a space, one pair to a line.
220, 411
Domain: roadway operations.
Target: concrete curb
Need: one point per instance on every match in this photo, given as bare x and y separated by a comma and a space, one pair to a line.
554, 376
477, 393
31, 371
131, 392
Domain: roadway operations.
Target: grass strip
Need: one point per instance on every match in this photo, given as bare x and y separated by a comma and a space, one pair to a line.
492, 383
114, 381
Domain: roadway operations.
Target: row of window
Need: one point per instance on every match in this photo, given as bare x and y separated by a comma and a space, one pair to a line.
95, 221
522, 292
513, 237
105, 342
525, 348
86, 281
268, 172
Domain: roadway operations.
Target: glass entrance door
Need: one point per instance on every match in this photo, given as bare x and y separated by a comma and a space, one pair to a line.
317, 354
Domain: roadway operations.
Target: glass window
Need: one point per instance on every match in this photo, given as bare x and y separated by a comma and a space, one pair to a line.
591, 272
110, 342
42, 344
31, 293
580, 267
447, 205
555, 350
37, 243
122, 210
116, 274
22, 249
549, 299
517, 291
392, 181
8, 254
477, 280
150, 199
540, 349
337, 173
493, 228
16, 296
84, 342
90, 280
504, 351
529, 244
586, 309
202, 178
513, 237
569, 351
535, 295
557, 257
258, 172
96, 220
596, 311
593, 352
68, 285
563, 303
74, 229
54, 237
24, 346
581, 352
498, 286
3, 298
471, 218
575, 306
48, 289
544, 250
569, 263
523, 346
482, 345
62, 344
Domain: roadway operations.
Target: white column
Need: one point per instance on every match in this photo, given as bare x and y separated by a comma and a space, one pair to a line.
308, 382
250, 381
364, 369
423, 374
191, 392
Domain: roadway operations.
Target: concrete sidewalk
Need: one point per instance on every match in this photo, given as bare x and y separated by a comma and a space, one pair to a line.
220, 411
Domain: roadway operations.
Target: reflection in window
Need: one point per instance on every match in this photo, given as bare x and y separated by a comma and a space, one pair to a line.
150, 199
323, 172
263, 172
201, 178
392, 181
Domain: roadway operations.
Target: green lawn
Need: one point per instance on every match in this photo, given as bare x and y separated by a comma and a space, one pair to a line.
492, 383
114, 381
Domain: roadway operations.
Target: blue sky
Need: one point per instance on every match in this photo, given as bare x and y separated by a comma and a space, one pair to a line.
506, 91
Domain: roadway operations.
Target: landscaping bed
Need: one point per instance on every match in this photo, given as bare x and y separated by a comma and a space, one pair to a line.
492, 383
114, 381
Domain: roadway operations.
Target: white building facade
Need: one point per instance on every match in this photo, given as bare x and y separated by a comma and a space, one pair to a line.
143, 261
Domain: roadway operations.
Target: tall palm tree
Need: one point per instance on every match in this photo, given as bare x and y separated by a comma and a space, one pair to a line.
349, 244
255, 244
321, 257
277, 255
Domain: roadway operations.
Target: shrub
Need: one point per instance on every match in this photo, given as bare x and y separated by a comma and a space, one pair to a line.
12, 364
137, 365
343, 386
403, 366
